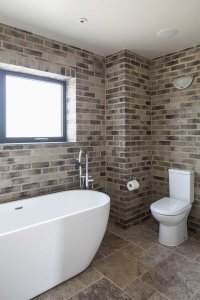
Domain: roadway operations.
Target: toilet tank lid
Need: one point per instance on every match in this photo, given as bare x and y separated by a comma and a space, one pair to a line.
184, 172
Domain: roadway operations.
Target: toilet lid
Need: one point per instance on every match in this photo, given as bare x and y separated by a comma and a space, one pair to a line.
170, 206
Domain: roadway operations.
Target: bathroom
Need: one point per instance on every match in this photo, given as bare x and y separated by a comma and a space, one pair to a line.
123, 108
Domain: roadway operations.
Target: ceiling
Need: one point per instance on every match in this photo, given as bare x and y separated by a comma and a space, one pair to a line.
112, 25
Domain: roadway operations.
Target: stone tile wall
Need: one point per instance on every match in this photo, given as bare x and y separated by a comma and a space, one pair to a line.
35, 169
128, 139
176, 123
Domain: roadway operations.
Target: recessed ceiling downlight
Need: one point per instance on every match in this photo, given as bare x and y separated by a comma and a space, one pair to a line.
167, 32
83, 20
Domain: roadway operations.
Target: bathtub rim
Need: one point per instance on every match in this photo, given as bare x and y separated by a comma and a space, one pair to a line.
106, 203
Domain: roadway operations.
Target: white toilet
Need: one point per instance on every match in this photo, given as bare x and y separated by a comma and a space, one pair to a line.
172, 212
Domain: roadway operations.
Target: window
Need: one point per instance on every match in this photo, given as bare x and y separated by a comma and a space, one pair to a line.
32, 108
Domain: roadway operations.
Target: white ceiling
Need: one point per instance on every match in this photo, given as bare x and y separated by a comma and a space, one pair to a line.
112, 24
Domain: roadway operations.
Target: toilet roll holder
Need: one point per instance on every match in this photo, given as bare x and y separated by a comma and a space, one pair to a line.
132, 178
132, 184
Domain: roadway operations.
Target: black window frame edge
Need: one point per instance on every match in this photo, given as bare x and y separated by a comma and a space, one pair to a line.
26, 140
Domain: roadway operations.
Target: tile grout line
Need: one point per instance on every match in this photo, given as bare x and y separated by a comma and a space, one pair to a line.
83, 289
145, 250
150, 267
152, 287
172, 251
142, 248
138, 277
127, 240
122, 289
190, 260
103, 276
184, 256
194, 294
112, 253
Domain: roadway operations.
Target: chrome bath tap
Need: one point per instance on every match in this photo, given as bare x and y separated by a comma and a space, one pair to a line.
85, 180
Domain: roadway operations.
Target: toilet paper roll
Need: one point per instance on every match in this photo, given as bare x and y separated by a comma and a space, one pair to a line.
133, 185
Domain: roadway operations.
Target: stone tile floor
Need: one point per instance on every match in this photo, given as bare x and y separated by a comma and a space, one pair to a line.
131, 264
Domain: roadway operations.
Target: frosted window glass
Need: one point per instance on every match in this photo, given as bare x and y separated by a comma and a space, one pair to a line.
33, 108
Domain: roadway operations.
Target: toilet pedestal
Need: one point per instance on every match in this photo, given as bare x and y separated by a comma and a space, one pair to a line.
173, 235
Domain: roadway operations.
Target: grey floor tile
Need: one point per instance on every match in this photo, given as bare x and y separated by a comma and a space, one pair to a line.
121, 267
158, 296
111, 243
197, 259
196, 296
194, 236
138, 234
143, 237
117, 229
89, 276
151, 224
139, 290
97, 257
154, 255
101, 290
133, 259
176, 277
189, 248
72, 286
63, 291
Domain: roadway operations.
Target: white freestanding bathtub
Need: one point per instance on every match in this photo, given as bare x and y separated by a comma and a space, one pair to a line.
48, 239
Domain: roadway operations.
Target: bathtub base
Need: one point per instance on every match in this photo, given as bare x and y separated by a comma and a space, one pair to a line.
36, 259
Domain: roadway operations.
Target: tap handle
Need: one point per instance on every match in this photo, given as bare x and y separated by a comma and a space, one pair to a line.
78, 163
90, 180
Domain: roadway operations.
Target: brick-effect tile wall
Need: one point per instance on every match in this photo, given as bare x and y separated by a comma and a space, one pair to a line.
30, 170
176, 123
35, 169
128, 140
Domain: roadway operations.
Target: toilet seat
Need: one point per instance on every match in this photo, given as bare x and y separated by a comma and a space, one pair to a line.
170, 206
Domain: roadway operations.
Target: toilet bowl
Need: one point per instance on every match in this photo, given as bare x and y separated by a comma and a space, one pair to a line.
172, 212
172, 215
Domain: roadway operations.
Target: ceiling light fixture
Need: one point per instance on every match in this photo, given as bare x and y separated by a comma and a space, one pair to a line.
83, 20
182, 82
167, 32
